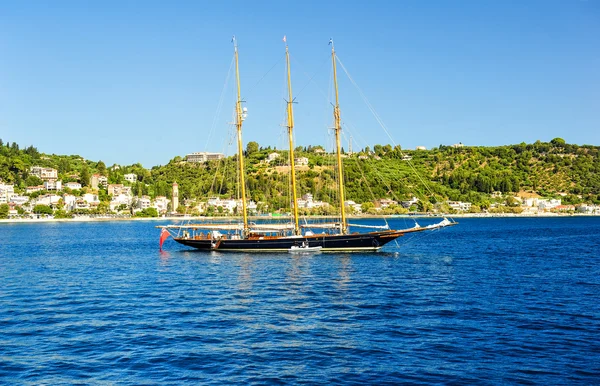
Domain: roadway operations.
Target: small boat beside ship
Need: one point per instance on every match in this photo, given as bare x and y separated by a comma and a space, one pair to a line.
304, 248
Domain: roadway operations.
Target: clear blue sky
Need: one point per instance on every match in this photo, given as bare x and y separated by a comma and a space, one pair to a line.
140, 81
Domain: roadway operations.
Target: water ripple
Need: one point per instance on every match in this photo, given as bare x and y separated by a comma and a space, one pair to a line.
491, 301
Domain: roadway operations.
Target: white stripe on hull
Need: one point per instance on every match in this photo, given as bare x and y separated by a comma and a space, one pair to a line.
354, 249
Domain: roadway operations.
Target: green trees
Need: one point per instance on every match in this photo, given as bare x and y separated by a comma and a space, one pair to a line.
101, 167
148, 212
42, 209
251, 148
33, 181
84, 176
4, 210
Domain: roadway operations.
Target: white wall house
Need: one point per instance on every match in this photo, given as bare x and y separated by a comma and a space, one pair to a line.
356, 208
308, 202
69, 200
228, 205
73, 185
161, 203
91, 198
48, 199
6, 192
201, 157
131, 177
118, 200
459, 205
53, 185
44, 173
97, 180
19, 200
115, 189
33, 189
549, 204
272, 157
385, 202
301, 161
143, 202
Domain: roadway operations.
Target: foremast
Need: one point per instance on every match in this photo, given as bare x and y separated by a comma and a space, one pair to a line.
290, 126
338, 129
238, 123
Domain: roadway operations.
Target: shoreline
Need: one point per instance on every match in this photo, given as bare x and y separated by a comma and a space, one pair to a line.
224, 218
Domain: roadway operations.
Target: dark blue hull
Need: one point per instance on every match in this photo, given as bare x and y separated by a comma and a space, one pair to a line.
372, 241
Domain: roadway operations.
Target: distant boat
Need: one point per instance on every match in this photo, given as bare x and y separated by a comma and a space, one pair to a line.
277, 237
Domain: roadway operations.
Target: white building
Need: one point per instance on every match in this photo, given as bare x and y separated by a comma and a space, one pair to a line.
69, 200
90, 198
459, 206
228, 205
48, 199
301, 161
588, 209
201, 157
272, 157
131, 177
458, 145
406, 157
44, 173
385, 202
6, 192
81, 204
73, 185
115, 189
307, 202
97, 180
161, 203
53, 185
420, 148
549, 204
33, 189
143, 202
19, 200
118, 200
356, 208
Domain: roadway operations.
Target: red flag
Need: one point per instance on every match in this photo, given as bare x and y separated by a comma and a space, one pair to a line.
164, 234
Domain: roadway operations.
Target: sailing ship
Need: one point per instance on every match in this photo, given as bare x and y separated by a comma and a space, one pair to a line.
264, 237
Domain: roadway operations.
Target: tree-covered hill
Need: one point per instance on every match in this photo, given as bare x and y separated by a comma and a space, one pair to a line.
468, 173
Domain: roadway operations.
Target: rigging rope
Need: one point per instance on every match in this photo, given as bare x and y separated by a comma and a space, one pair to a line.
251, 89
220, 104
381, 123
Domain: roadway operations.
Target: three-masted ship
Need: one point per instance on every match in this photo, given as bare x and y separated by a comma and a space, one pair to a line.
270, 237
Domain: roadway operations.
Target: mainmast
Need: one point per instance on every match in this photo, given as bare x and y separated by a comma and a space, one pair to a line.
238, 123
338, 129
290, 121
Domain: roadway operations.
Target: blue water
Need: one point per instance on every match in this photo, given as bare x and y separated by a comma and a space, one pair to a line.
489, 301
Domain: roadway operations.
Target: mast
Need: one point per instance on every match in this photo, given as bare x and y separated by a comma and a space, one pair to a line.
238, 123
290, 121
338, 129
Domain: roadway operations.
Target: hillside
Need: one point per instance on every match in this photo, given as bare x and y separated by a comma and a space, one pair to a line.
445, 173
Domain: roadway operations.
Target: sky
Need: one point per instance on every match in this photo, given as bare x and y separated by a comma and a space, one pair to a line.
145, 81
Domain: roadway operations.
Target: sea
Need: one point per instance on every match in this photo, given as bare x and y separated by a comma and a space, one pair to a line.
490, 301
